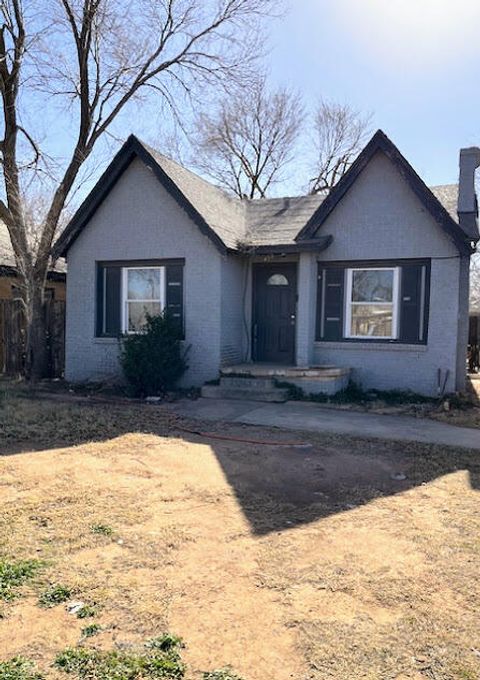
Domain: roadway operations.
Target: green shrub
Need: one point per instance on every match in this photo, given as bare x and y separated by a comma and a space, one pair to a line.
153, 361
15, 574
18, 668
53, 595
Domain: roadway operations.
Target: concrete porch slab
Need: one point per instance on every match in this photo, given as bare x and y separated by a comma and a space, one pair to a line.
278, 370
312, 417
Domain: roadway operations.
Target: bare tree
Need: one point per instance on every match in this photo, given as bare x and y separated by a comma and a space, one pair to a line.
90, 58
339, 135
246, 143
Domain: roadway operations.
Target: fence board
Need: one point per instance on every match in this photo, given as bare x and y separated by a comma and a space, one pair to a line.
12, 337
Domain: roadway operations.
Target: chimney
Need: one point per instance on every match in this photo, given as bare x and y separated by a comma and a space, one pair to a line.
467, 199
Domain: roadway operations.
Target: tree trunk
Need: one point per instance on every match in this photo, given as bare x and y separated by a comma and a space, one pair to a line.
36, 352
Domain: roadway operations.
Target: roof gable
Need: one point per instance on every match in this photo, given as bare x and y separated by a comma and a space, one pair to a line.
380, 142
171, 180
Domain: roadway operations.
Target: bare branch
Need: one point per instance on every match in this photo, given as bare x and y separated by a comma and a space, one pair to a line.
339, 135
248, 141
93, 57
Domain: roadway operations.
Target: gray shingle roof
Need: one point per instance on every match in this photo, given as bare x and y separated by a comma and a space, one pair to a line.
233, 223
274, 221
223, 213
261, 221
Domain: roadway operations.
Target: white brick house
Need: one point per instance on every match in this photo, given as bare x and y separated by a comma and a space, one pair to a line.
371, 279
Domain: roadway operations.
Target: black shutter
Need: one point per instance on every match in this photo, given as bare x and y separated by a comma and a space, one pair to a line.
330, 303
109, 280
174, 294
413, 303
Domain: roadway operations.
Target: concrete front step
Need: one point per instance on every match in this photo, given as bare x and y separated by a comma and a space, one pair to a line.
273, 394
311, 380
246, 382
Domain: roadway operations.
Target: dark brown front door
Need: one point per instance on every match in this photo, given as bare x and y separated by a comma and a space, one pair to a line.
274, 302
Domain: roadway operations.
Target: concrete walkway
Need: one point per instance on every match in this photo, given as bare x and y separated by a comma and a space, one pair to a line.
297, 415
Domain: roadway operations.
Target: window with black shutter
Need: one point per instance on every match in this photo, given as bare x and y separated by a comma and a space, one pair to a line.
128, 291
108, 301
330, 290
413, 303
375, 301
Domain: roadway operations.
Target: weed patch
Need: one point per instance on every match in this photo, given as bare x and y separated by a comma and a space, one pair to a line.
354, 394
86, 612
101, 529
14, 574
91, 630
19, 668
55, 594
221, 674
159, 658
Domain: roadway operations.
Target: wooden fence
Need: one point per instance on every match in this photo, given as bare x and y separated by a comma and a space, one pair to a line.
12, 337
474, 343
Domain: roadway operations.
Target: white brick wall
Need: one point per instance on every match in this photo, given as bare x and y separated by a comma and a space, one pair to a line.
140, 220
381, 217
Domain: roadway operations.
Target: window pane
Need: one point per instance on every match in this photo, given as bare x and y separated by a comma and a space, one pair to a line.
143, 284
137, 314
277, 280
372, 285
372, 320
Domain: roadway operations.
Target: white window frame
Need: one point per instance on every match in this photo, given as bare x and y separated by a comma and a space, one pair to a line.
395, 303
125, 300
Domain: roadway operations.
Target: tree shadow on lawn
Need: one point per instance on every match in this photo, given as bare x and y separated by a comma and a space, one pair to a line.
280, 488
277, 485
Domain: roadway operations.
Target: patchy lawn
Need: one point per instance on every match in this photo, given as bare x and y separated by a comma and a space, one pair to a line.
286, 563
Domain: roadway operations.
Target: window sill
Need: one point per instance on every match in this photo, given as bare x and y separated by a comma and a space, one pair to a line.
371, 346
105, 341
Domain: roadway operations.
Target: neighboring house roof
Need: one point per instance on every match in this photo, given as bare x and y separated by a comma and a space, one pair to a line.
234, 224
447, 194
7, 258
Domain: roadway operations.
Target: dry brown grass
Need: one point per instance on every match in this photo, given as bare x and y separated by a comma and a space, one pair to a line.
287, 564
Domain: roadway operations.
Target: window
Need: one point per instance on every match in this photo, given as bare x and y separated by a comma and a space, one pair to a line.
127, 291
143, 292
277, 280
372, 303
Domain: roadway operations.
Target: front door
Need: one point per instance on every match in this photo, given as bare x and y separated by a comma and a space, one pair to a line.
274, 302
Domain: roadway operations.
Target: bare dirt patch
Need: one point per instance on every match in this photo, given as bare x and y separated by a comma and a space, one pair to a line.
287, 563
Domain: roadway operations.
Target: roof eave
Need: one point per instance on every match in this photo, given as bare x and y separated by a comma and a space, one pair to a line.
308, 245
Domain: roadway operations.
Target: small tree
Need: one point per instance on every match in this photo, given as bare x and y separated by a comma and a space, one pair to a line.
153, 361
339, 135
246, 143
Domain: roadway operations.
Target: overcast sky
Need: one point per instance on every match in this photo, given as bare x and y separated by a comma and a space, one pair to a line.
415, 64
